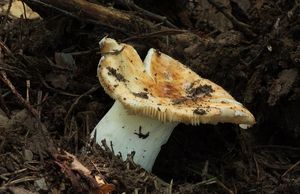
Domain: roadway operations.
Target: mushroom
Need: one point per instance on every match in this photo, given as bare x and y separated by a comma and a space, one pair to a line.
152, 97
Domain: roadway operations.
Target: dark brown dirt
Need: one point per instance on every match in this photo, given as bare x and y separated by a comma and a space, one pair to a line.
260, 70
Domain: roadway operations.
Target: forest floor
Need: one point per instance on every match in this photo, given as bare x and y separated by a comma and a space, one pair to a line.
50, 97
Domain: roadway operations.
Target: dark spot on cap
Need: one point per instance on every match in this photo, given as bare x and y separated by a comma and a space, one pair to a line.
178, 100
113, 72
199, 111
141, 95
114, 52
200, 90
157, 52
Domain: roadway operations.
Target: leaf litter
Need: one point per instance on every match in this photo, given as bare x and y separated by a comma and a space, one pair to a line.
36, 142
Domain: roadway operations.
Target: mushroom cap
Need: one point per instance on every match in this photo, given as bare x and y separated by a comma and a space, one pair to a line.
164, 88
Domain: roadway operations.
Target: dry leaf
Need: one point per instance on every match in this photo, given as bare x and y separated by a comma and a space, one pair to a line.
57, 80
65, 61
17, 10
245, 5
282, 85
205, 12
107, 188
259, 4
76, 171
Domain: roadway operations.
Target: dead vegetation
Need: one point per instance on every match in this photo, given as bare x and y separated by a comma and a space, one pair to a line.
50, 98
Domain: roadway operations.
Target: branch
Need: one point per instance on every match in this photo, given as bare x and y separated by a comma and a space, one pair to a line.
238, 24
25, 103
156, 17
96, 13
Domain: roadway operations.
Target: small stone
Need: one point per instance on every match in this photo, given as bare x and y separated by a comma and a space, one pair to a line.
28, 155
41, 184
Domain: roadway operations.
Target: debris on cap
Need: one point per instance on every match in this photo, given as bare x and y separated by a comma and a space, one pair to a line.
163, 88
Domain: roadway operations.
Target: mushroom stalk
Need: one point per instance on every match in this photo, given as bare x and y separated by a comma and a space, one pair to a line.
129, 132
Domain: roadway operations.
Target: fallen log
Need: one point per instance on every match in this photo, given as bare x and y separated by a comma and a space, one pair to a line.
99, 14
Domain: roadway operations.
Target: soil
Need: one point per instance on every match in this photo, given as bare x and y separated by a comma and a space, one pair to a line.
52, 63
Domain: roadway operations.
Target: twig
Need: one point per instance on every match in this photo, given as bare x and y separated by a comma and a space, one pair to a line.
4, 78
27, 90
256, 57
79, 53
129, 160
13, 173
9, 68
39, 103
112, 148
153, 16
204, 172
206, 182
105, 146
229, 191
24, 10
93, 89
155, 34
7, 11
3, 105
210, 181
291, 13
240, 25
274, 166
170, 188
21, 180
56, 90
290, 169
57, 66
257, 168
8, 51
87, 125
277, 147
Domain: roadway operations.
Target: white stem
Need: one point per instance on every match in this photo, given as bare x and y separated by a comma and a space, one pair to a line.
128, 133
